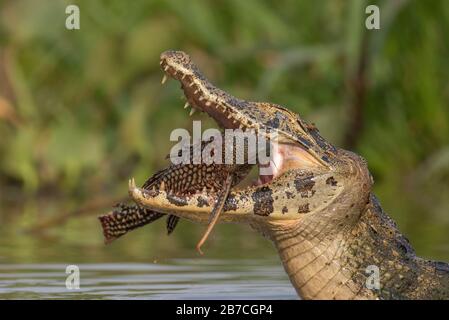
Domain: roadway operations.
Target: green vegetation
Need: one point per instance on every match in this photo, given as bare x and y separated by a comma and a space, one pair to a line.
82, 111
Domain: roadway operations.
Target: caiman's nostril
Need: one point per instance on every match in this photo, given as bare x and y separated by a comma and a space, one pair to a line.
174, 55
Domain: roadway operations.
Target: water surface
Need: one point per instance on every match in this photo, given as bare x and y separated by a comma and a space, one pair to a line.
180, 279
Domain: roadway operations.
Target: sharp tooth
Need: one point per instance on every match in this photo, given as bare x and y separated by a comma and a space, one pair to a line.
183, 76
196, 91
162, 186
191, 84
132, 183
164, 79
201, 98
230, 116
186, 105
192, 112
208, 103
166, 68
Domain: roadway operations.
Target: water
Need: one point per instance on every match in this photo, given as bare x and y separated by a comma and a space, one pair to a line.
145, 264
180, 279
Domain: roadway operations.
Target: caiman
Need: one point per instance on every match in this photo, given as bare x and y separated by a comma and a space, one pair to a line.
317, 206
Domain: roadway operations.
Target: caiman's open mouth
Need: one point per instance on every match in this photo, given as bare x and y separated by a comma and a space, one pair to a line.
203, 96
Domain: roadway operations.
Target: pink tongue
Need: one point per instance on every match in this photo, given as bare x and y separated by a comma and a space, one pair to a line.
266, 178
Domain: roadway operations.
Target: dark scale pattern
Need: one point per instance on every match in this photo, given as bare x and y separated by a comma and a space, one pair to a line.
275, 121
263, 201
323, 144
290, 195
231, 203
304, 208
125, 218
304, 185
202, 202
331, 181
172, 222
177, 201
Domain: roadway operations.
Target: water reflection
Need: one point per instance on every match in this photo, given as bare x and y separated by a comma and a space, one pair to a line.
178, 279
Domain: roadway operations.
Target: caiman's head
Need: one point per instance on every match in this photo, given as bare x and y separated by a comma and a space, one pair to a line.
309, 176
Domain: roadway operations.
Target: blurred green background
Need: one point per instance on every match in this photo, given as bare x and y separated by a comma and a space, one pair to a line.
81, 111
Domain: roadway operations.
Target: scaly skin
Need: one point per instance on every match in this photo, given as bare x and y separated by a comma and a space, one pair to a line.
318, 209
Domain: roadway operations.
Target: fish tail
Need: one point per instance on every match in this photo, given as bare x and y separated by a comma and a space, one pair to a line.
124, 218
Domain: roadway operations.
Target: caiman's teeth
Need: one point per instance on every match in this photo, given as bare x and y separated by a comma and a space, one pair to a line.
164, 78
191, 84
192, 112
208, 104
132, 183
201, 98
166, 68
162, 186
186, 105
196, 91
230, 116
183, 76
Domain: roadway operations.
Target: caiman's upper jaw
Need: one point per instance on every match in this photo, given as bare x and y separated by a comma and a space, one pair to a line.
201, 94
297, 147
232, 113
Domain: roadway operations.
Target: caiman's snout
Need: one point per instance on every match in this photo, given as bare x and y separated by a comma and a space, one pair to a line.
172, 61
171, 55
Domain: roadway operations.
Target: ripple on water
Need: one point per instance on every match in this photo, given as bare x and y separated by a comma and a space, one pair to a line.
178, 279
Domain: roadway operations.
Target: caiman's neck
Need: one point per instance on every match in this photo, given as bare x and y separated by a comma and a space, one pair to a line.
328, 257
